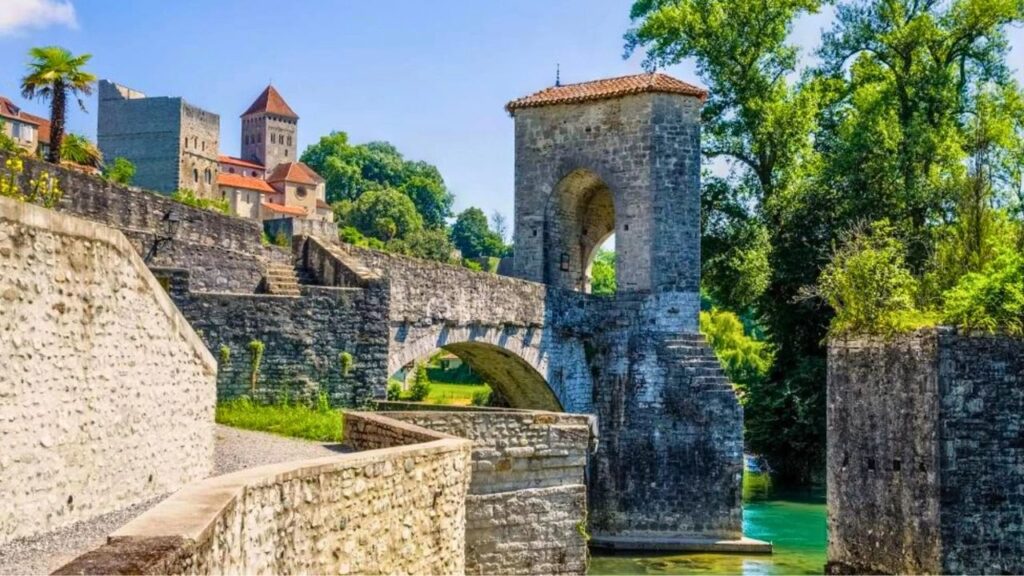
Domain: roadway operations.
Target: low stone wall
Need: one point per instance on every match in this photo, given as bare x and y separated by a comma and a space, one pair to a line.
223, 252
527, 509
106, 394
303, 339
394, 510
925, 458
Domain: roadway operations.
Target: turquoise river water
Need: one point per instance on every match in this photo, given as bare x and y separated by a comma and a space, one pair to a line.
795, 524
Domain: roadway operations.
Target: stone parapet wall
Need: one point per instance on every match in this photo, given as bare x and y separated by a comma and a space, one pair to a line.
223, 252
531, 531
925, 460
516, 450
106, 393
396, 510
527, 509
468, 298
303, 339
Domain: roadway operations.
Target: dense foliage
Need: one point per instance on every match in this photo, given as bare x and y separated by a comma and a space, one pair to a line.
602, 273
77, 149
472, 235
909, 115
120, 171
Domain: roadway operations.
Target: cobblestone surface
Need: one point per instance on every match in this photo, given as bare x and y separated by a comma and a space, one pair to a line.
235, 450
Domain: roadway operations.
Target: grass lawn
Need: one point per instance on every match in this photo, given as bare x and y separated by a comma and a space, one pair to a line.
457, 394
294, 420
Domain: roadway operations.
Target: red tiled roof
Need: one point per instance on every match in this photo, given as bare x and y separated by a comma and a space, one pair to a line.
294, 172
270, 101
606, 88
239, 181
321, 204
239, 162
282, 209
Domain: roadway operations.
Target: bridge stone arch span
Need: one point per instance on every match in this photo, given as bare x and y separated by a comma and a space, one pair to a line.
511, 359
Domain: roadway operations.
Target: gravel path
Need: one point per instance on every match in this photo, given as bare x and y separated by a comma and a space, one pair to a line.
234, 450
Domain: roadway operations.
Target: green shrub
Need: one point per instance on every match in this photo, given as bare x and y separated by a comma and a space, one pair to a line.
420, 388
472, 265
869, 286
225, 354
394, 390
481, 398
346, 361
120, 171
189, 198
990, 300
256, 348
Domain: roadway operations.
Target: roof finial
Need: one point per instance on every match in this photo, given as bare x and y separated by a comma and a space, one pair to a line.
558, 74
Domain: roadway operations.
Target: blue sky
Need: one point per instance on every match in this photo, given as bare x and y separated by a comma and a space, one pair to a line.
431, 77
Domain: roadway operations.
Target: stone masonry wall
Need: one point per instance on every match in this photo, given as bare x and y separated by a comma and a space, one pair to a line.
527, 508
223, 252
106, 394
396, 510
303, 339
883, 463
926, 458
981, 499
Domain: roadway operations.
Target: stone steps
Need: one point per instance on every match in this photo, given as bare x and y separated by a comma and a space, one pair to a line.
281, 280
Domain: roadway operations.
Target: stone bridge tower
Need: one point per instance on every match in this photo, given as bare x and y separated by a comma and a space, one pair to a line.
622, 156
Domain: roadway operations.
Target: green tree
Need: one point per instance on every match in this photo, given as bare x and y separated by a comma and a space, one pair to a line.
7, 144
473, 237
353, 170
420, 388
385, 215
602, 273
77, 149
120, 171
53, 73
428, 243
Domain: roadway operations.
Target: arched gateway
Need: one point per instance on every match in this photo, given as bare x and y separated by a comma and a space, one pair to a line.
622, 156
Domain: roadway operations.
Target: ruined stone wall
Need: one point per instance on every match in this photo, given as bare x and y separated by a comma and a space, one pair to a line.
925, 461
883, 461
396, 510
223, 252
107, 393
527, 508
303, 338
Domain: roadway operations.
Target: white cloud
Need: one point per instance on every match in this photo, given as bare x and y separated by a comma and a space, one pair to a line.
18, 15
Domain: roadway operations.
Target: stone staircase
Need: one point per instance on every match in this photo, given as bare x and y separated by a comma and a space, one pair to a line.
281, 280
690, 357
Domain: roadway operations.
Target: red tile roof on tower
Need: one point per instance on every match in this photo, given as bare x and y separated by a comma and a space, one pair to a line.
294, 172
239, 181
239, 162
271, 102
607, 88
282, 209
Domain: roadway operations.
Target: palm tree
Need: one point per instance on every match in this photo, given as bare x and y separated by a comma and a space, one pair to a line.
52, 73
77, 149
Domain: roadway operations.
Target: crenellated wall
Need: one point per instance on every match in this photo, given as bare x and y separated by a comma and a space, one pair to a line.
106, 393
396, 508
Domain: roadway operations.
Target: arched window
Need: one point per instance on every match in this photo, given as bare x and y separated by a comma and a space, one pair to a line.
195, 175
289, 140
209, 176
273, 138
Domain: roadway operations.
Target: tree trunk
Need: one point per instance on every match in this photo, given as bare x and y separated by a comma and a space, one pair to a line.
58, 111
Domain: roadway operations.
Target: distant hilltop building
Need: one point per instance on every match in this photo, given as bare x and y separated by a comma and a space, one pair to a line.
27, 130
175, 145
267, 182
